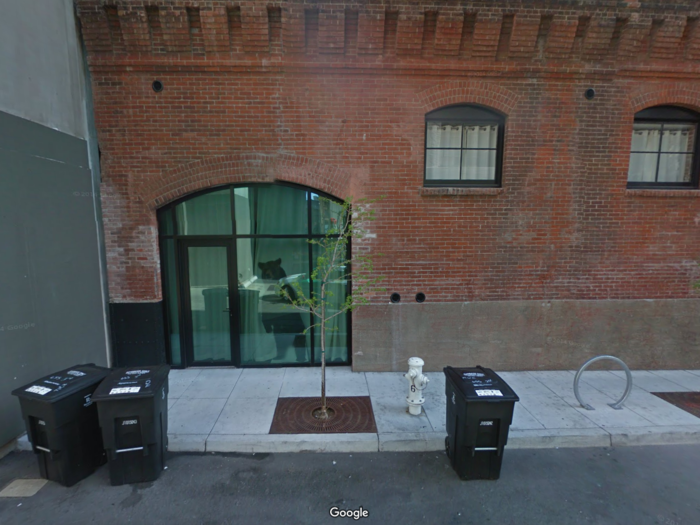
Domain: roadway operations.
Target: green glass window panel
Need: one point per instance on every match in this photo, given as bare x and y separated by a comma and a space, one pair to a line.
326, 214
209, 303
271, 330
268, 209
208, 214
165, 222
337, 327
170, 281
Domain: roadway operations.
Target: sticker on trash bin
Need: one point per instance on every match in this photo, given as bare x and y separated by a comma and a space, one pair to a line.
125, 390
36, 389
481, 393
75, 373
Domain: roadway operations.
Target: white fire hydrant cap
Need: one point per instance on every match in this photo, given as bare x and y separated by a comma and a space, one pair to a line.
415, 361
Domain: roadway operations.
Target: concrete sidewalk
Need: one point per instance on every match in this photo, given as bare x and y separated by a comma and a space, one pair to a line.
230, 410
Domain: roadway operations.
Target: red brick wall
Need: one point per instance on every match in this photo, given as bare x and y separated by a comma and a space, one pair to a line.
333, 95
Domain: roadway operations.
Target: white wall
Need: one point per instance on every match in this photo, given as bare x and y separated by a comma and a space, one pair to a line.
41, 71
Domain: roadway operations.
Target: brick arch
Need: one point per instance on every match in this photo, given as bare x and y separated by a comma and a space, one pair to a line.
677, 96
468, 92
247, 167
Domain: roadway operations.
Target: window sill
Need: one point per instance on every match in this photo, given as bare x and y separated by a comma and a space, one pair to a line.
661, 193
436, 191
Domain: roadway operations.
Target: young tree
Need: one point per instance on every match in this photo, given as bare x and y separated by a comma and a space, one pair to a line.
348, 221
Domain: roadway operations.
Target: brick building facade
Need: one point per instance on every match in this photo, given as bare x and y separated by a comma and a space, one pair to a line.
560, 262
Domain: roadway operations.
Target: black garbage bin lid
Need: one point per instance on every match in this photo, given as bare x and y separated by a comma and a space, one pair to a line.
62, 384
480, 384
129, 383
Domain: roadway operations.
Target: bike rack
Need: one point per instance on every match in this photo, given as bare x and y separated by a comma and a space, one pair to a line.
618, 404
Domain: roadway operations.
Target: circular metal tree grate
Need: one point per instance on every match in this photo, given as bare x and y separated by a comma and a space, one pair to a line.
294, 415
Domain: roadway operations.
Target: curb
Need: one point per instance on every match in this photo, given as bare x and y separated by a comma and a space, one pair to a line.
413, 441
430, 441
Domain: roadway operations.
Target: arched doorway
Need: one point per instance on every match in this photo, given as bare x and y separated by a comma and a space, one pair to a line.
224, 254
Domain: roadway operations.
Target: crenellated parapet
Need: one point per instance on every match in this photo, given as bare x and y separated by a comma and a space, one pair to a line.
582, 32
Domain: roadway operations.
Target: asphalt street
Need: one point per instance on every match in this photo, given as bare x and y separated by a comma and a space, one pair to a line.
630, 486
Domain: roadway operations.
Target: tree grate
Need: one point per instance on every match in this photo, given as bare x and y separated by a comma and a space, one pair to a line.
293, 415
688, 401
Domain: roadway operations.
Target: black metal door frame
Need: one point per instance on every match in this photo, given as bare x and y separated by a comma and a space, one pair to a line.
187, 349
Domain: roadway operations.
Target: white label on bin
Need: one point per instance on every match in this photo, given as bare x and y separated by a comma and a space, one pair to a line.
75, 373
125, 390
36, 389
481, 393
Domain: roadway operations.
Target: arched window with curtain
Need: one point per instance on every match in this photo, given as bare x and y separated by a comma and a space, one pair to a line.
664, 149
464, 146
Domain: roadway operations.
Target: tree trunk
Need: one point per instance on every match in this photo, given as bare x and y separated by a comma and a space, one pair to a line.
324, 408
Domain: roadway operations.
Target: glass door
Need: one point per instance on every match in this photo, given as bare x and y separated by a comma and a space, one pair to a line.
208, 303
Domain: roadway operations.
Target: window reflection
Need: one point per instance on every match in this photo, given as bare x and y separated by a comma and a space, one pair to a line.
337, 327
325, 214
272, 331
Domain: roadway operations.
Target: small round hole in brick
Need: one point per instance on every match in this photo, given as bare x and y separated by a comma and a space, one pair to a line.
157, 86
589, 94
395, 298
420, 297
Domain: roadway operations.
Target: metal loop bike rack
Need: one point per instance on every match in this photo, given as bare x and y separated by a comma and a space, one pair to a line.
618, 404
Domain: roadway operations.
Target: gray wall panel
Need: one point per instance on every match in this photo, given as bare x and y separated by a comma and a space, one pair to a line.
51, 306
23, 136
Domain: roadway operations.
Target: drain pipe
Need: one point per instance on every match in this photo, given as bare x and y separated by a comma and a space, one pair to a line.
417, 383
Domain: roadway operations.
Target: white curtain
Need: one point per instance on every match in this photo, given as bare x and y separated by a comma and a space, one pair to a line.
673, 164
477, 164
675, 139
645, 138
443, 164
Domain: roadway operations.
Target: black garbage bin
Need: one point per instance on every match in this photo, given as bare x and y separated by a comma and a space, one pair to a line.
479, 413
61, 422
132, 404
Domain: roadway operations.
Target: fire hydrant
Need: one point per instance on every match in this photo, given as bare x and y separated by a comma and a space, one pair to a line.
417, 383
